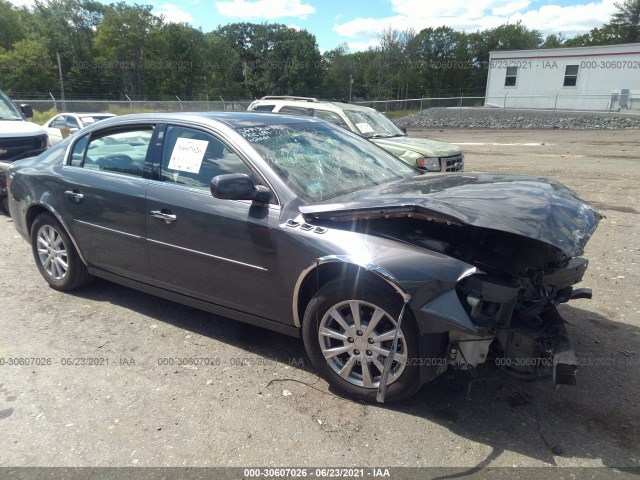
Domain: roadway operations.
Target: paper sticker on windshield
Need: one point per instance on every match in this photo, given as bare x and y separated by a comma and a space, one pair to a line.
364, 127
187, 155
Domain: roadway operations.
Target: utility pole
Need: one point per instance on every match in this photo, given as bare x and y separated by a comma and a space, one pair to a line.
350, 85
244, 74
64, 105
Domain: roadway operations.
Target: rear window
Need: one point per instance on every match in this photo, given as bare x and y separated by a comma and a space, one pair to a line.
264, 108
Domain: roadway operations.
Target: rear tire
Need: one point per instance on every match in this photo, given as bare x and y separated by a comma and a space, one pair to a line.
348, 334
55, 254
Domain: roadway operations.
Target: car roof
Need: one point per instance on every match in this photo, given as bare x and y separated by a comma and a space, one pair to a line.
310, 103
233, 119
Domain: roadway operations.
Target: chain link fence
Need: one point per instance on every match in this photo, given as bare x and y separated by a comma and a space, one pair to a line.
121, 107
602, 102
422, 103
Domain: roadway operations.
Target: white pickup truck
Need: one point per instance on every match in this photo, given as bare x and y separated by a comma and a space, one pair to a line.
18, 139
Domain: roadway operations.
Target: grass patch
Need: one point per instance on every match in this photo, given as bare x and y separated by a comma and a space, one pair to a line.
41, 117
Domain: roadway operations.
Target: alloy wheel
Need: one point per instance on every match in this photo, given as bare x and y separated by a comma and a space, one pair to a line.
356, 338
52, 252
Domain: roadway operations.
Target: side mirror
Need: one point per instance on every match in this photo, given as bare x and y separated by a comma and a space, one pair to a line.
238, 186
27, 110
404, 130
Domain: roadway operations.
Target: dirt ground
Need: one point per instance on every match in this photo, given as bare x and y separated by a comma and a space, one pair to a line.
258, 402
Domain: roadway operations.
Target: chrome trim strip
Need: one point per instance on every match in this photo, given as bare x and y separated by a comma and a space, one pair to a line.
208, 255
108, 229
370, 267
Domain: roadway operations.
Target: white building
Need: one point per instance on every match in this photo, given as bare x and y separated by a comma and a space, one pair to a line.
580, 78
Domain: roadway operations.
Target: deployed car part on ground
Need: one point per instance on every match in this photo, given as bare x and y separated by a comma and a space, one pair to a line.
64, 124
18, 139
428, 155
302, 227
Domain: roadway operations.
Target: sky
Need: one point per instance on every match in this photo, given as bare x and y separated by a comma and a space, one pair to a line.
359, 22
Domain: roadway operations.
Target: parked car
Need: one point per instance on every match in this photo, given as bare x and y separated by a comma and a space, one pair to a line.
425, 154
389, 275
18, 139
64, 124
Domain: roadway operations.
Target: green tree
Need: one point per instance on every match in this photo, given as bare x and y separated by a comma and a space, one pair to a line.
443, 64
627, 19
554, 41
174, 64
276, 59
338, 70
222, 67
27, 69
120, 44
11, 28
68, 29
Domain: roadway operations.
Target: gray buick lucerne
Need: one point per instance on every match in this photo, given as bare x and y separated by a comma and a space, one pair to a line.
294, 224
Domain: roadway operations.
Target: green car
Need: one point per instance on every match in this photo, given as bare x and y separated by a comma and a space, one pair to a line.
422, 153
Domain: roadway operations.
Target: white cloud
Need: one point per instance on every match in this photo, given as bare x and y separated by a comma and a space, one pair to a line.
511, 8
269, 9
173, 14
478, 15
362, 46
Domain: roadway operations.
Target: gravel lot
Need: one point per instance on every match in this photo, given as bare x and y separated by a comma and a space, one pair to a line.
496, 118
258, 402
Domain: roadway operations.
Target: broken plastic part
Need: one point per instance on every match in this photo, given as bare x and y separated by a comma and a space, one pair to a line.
382, 387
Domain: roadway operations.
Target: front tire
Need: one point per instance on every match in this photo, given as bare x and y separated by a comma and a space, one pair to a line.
348, 335
55, 254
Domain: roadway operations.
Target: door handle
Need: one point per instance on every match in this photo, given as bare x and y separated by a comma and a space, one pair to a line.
167, 217
74, 195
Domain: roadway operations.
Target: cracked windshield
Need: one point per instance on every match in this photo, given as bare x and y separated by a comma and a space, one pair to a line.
322, 162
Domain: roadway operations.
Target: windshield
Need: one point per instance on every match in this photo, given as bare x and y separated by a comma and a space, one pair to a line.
8, 110
319, 161
373, 124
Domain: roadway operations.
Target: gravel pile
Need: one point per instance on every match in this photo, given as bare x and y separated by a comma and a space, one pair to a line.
494, 118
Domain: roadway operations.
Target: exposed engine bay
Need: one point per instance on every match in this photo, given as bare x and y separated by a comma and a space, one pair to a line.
511, 301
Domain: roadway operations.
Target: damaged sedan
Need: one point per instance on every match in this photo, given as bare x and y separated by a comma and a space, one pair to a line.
389, 276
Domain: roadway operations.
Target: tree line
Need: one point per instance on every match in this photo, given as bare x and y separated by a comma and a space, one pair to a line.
117, 50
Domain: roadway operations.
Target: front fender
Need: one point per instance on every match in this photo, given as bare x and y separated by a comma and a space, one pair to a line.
423, 278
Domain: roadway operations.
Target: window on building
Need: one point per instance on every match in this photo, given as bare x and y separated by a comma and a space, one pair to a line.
571, 75
511, 77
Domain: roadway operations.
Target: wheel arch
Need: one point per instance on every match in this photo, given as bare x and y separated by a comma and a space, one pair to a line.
37, 209
331, 267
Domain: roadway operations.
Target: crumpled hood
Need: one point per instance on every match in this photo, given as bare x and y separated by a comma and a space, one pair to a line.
421, 146
533, 207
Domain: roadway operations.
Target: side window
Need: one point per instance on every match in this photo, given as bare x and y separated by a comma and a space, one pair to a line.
79, 149
510, 79
295, 110
264, 108
72, 122
122, 152
331, 117
59, 122
191, 157
571, 75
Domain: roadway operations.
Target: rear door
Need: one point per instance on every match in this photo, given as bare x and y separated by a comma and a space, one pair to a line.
105, 189
220, 251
